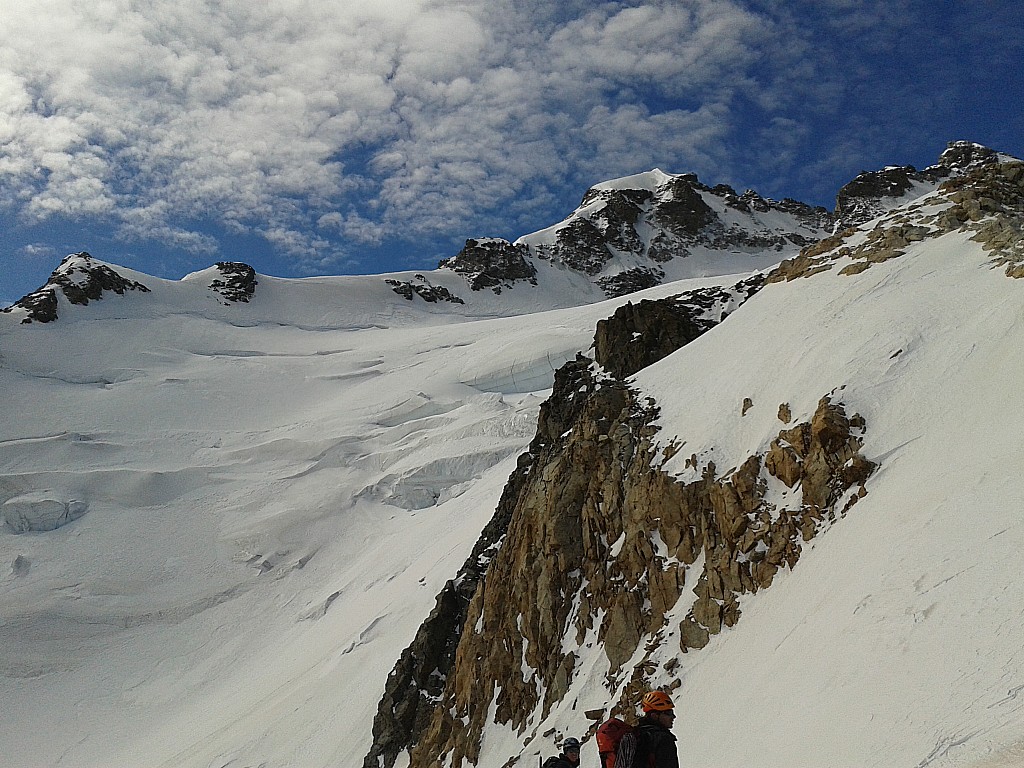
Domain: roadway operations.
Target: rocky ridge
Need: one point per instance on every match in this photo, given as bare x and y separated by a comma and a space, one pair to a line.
417, 682
987, 201
601, 546
80, 279
872, 193
624, 233
588, 519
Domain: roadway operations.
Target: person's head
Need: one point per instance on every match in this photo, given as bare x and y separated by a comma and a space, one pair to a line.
657, 706
571, 750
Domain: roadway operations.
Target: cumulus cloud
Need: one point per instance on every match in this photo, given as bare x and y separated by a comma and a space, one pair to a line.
321, 125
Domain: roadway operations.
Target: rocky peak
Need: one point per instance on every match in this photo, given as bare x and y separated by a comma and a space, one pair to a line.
81, 279
625, 232
872, 193
492, 263
965, 155
237, 281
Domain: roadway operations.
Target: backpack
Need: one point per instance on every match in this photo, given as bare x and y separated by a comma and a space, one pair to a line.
609, 733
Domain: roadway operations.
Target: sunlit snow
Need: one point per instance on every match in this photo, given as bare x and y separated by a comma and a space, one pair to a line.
269, 496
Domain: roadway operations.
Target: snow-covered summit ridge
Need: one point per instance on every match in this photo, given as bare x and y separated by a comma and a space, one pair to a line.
640, 230
627, 234
650, 180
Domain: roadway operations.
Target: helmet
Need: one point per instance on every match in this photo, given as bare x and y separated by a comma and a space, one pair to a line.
656, 700
570, 743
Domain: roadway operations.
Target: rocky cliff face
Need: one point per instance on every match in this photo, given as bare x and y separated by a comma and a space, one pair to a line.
638, 335
602, 544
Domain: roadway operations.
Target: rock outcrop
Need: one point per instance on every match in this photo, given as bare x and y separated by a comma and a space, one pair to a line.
491, 263
872, 193
81, 279
638, 335
420, 286
237, 282
630, 281
600, 547
986, 199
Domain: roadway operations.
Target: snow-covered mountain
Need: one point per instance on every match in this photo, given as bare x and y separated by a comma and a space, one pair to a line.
642, 230
790, 495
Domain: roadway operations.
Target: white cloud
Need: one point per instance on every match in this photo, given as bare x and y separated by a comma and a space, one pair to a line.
41, 251
307, 121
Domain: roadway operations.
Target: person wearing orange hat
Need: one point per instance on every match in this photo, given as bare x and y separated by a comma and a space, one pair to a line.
651, 743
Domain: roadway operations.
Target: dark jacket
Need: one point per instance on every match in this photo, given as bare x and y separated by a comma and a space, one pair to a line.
648, 740
559, 762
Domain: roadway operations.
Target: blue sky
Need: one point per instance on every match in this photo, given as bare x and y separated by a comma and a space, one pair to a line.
362, 136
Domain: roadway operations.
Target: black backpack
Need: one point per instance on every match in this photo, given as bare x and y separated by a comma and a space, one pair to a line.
646, 741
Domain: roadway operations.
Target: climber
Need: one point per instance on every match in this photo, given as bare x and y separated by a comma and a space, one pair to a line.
570, 757
651, 743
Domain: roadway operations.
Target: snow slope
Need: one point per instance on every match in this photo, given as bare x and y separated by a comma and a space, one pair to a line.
895, 641
269, 496
275, 493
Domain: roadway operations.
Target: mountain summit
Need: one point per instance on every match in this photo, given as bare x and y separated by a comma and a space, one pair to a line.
638, 231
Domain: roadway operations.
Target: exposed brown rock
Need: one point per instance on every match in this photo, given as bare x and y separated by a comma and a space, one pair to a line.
583, 532
785, 414
985, 197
